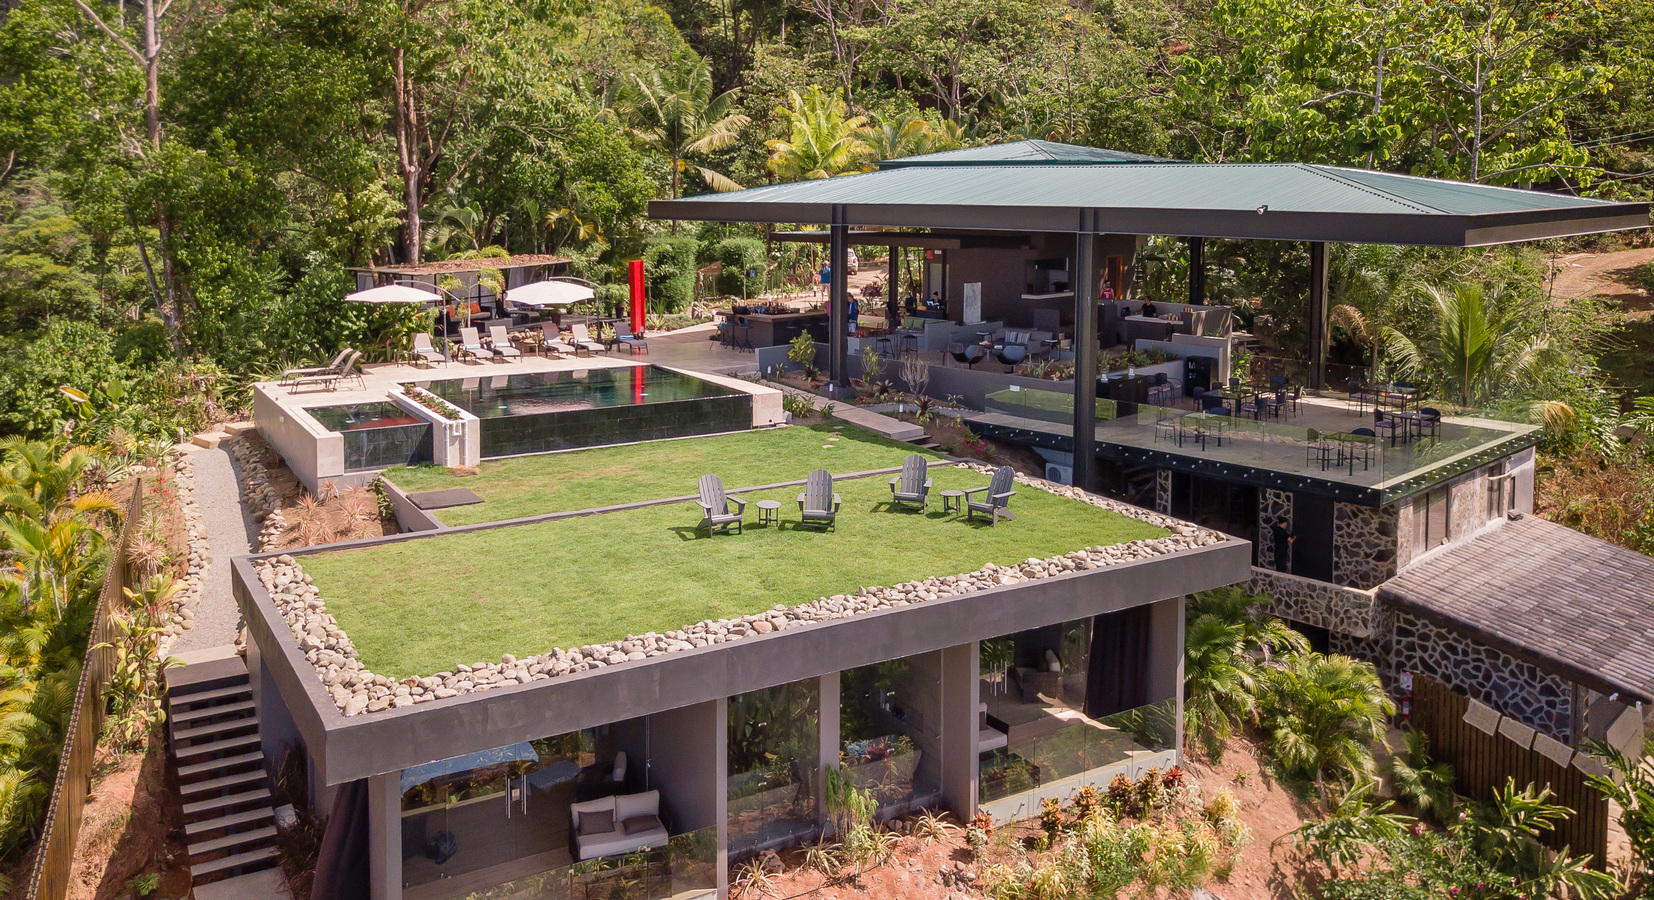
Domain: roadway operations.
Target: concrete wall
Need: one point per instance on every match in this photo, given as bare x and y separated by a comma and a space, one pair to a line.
453, 444
408, 516
311, 451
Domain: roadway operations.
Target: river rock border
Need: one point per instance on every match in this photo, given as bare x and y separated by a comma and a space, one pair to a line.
356, 690
189, 593
257, 493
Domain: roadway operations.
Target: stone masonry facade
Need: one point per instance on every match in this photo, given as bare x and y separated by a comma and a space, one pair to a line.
1340, 610
1518, 689
1364, 541
1163, 491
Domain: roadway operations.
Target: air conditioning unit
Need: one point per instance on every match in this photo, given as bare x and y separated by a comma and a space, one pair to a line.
1058, 473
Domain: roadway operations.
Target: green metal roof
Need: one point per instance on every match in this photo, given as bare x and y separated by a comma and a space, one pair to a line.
1040, 186
1022, 152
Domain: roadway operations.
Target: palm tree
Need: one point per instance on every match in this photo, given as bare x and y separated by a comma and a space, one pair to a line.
1324, 712
1475, 347
822, 140
899, 136
1227, 638
674, 111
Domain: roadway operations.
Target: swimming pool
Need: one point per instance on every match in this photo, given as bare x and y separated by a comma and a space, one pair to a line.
546, 411
377, 434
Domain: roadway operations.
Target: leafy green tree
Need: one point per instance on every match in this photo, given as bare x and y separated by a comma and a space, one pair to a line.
1227, 638
1322, 714
669, 266
821, 141
675, 112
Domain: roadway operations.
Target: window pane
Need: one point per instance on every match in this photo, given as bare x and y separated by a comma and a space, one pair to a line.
890, 720
774, 757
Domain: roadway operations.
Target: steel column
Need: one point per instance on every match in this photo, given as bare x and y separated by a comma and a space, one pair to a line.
1085, 359
890, 281
1318, 335
838, 302
1197, 270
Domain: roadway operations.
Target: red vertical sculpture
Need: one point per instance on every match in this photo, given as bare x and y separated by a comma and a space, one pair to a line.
637, 295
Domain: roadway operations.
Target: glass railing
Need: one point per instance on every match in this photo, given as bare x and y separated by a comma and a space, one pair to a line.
1289, 444
685, 868
1064, 743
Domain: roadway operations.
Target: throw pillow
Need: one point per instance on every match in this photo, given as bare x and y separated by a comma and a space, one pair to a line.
640, 824
597, 822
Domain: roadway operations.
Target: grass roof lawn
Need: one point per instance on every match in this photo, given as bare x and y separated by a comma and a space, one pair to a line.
422, 606
605, 476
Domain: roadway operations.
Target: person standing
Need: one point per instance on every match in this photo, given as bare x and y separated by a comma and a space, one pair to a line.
855, 311
1282, 537
827, 281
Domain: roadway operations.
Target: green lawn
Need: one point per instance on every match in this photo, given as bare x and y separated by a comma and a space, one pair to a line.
583, 479
420, 607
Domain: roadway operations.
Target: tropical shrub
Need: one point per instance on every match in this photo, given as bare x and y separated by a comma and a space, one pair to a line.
738, 255
669, 270
1322, 714
1631, 787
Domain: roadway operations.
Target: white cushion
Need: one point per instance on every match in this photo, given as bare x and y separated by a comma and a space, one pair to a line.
627, 806
620, 766
618, 841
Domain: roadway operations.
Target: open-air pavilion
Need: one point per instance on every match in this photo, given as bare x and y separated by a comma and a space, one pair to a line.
1103, 199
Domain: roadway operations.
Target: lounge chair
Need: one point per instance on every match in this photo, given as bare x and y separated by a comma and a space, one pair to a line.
472, 345
551, 339
423, 350
912, 487
336, 365
818, 505
580, 337
502, 342
624, 335
714, 505
999, 495
331, 377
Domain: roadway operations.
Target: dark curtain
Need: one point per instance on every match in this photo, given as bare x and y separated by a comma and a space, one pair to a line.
342, 862
1117, 676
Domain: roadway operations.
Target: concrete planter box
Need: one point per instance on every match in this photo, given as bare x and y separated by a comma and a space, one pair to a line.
453, 443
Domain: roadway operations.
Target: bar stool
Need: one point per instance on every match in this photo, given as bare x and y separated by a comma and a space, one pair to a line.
882, 346
909, 342
742, 334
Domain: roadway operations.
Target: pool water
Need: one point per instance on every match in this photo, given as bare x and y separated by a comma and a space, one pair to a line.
377, 435
546, 411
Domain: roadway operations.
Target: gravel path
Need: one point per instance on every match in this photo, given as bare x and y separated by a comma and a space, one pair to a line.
229, 532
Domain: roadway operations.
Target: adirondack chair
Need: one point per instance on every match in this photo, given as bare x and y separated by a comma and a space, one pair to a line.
502, 342
473, 345
714, 503
999, 496
818, 505
336, 365
552, 339
423, 351
912, 487
624, 335
580, 337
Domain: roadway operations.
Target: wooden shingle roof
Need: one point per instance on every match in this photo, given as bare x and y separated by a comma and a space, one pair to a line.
1571, 604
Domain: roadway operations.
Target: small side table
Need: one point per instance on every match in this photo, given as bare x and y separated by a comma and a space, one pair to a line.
953, 501
767, 511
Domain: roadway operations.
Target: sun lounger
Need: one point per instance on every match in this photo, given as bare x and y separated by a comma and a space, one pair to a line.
502, 342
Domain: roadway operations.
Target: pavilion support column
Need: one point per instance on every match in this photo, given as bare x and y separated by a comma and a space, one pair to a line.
1084, 282
1197, 270
1318, 336
838, 303
891, 279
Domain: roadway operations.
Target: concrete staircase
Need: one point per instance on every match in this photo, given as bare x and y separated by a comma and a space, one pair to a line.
229, 823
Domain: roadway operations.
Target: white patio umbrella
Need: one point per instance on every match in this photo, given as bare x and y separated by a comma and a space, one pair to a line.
394, 293
400, 293
549, 293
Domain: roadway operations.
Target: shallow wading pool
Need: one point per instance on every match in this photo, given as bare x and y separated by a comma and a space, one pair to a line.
545, 411
377, 435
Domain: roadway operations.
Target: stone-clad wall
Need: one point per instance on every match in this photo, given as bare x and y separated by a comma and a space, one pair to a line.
1516, 688
1467, 510
1364, 541
1163, 491
1404, 534
1338, 609
1273, 506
